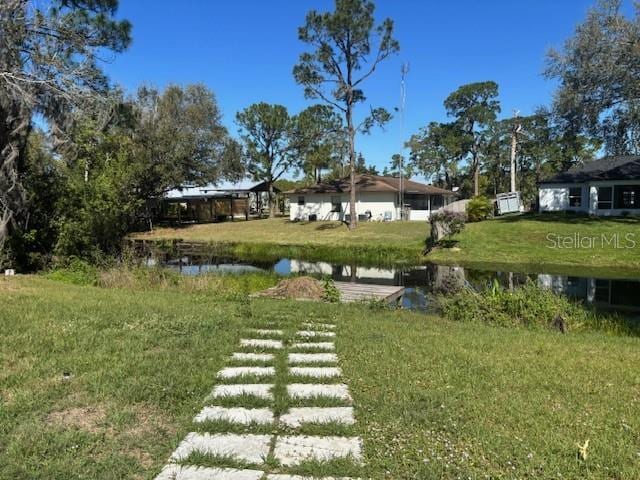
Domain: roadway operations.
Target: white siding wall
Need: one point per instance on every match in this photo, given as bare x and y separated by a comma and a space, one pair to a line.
422, 215
377, 203
593, 199
555, 198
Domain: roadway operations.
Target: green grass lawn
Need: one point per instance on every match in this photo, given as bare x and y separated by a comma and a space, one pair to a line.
371, 243
530, 243
518, 243
281, 231
434, 399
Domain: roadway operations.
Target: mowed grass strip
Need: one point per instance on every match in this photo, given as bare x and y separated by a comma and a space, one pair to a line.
281, 231
433, 399
440, 399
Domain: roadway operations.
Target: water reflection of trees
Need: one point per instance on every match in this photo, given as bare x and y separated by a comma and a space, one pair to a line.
421, 281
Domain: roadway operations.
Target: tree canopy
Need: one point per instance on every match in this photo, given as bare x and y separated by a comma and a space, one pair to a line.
598, 69
49, 58
474, 106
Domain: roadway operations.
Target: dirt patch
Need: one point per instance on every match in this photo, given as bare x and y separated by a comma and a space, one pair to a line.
296, 288
89, 419
7, 285
149, 421
143, 458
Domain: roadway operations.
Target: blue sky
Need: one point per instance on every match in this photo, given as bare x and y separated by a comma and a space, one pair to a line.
244, 50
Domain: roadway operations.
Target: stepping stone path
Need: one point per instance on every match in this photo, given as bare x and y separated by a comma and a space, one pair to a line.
273, 445
296, 358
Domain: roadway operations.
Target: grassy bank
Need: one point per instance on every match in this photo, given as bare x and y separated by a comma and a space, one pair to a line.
528, 243
371, 243
553, 243
223, 286
104, 382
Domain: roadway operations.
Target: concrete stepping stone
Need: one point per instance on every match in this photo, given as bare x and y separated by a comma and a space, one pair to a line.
313, 326
293, 450
188, 472
315, 345
246, 447
260, 390
242, 416
284, 476
312, 357
261, 343
252, 357
313, 333
298, 416
265, 332
316, 372
311, 390
234, 372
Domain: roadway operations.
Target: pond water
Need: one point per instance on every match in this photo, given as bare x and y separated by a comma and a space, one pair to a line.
422, 281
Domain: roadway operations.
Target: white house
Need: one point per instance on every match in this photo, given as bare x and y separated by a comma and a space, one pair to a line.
607, 187
377, 198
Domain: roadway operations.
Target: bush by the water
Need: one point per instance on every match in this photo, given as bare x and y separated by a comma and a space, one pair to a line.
444, 225
528, 306
479, 208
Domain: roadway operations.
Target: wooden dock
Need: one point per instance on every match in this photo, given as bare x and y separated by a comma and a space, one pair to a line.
358, 292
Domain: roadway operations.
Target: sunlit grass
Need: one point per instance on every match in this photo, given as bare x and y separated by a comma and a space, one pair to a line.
432, 398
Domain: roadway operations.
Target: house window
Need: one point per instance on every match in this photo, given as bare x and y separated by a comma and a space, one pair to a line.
301, 201
416, 201
575, 197
336, 204
627, 196
605, 198
437, 201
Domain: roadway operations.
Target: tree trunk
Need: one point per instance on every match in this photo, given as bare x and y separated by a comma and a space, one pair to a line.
272, 203
353, 219
514, 145
14, 129
476, 176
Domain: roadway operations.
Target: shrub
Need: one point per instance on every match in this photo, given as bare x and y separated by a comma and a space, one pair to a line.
331, 292
528, 306
445, 224
75, 271
479, 208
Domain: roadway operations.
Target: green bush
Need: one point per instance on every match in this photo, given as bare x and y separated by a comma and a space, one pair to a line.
528, 306
75, 271
444, 225
479, 208
331, 292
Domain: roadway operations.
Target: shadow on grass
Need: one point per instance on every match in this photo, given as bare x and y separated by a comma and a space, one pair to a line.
329, 226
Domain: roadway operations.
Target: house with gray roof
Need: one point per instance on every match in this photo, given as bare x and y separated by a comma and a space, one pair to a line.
609, 186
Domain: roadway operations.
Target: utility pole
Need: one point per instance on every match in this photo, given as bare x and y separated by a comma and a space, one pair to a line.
404, 69
517, 128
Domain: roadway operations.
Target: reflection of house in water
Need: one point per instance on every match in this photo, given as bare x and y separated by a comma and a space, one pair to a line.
602, 293
347, 272
421, 282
